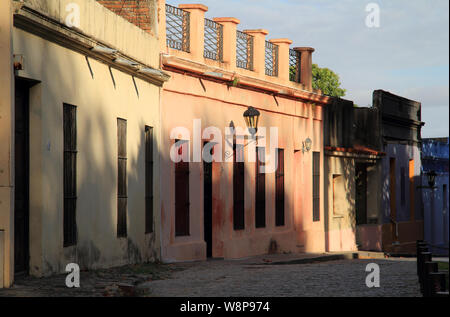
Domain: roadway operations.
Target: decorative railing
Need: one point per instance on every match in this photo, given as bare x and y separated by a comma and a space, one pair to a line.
213, 40
177, 28
271, 59
294, 65
244, 50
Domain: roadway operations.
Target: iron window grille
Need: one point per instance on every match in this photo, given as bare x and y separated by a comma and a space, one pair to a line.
271, 59
260, 190
294, 65
122, 190
178, 28
213, 40
316, 186
238, 187
244, 50
182, 201
70, 175
279, 190
148, 179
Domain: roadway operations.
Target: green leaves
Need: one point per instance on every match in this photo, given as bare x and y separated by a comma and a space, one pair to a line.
327, 81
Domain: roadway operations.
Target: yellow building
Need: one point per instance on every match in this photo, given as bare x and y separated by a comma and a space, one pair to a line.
79, 124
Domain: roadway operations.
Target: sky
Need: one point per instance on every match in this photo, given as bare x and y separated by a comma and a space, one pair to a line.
407, 54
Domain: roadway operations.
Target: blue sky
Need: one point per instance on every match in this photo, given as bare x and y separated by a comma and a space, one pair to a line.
408, 55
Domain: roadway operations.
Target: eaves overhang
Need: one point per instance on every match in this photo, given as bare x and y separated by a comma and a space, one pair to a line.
196, 69
37, 23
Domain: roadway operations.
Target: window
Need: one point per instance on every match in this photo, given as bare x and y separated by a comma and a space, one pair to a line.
339, 203
70, 175
148, 179
411, 190
392, 189
238, 187
279, 190
260, 190
316, 186
444, 194
122, 178
361, 193
403, 186
182, 193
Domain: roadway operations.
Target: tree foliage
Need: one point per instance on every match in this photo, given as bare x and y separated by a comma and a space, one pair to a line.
324, 79
327, 81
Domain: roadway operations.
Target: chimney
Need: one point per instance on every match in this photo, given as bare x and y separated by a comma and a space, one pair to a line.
138, 12
305, 66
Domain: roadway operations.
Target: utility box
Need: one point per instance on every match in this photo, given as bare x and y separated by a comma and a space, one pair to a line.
2, 256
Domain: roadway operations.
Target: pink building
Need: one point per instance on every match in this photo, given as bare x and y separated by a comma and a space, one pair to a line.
227, 209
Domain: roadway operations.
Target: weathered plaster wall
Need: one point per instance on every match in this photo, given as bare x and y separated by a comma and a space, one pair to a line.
100, 100
402, 154
104, 25
101, 94
340, 193
186, 98
435, 154
6, 144
436, 220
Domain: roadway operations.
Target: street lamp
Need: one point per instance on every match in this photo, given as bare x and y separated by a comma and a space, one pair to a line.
431, 176
431, 179
251, 116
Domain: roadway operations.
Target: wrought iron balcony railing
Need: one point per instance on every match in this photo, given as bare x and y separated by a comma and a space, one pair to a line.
244, 50
271, 59
177, 28
294, 65
213, 40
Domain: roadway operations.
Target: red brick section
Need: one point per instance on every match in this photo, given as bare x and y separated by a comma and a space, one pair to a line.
135, 11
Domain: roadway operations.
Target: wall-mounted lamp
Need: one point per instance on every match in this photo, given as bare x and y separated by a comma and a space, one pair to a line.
431, 179
306, 145
251, 116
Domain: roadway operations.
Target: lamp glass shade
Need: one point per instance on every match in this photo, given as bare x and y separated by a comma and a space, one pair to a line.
431, 178
308, 144
251, 116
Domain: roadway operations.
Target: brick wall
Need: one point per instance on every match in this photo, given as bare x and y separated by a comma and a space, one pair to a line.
137, 12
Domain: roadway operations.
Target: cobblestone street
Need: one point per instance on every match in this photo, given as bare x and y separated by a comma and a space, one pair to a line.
237, 278
335, 278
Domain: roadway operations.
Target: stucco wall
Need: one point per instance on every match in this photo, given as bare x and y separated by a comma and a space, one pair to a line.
100, 23
436, 220
100, 98
6, 143
402, 154
186, 98
340, 203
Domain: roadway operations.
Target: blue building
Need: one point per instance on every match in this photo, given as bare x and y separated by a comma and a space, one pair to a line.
435, 157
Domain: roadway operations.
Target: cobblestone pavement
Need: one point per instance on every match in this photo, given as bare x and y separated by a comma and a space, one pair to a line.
335, 278
121, 281
229, 278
